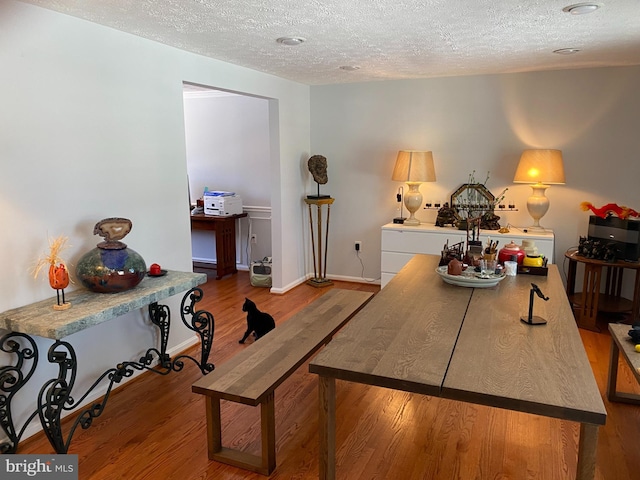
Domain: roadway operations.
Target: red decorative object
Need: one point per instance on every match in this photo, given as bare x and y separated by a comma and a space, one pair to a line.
59, 280
510, 250
610, 209
58, 276
58, 273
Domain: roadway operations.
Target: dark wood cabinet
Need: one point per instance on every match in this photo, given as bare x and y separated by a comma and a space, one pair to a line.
225, 231
593, 298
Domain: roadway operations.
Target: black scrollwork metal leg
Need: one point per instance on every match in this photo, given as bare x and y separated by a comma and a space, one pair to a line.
202, 322
161, 317
56, 393
12, 379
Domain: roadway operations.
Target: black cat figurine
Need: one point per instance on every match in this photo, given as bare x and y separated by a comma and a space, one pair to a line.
260, 323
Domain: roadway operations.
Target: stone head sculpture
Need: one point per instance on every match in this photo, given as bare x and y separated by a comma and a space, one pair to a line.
318, 167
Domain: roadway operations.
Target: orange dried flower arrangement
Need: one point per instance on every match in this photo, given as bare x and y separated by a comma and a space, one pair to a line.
58, 272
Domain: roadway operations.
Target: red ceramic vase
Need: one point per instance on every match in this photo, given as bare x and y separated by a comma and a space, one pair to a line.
508, 251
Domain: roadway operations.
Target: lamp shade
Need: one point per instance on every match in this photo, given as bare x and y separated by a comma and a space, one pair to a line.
414, 166
540, 166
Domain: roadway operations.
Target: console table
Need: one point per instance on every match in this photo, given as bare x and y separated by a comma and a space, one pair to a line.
89, 309
587, 303
400, 243
225, 230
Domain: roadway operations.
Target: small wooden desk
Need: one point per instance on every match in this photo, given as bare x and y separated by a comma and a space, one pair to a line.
587, 303
421, 335
622, 343
225, 230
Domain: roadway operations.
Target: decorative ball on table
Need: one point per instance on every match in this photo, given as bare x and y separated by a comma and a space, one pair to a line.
111, 267
155, 270
58, 272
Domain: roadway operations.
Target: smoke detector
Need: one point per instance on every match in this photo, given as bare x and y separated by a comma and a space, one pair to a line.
290, 41
566, 51
581, 8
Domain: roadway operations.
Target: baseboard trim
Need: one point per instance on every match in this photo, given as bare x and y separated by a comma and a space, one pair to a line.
345, 278
209, 264
286, 288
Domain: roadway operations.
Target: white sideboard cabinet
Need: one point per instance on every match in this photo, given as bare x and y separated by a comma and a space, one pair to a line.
400, 243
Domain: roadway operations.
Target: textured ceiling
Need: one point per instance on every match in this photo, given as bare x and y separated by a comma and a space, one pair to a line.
386, 39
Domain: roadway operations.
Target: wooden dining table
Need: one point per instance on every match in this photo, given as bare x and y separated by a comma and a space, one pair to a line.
422, 335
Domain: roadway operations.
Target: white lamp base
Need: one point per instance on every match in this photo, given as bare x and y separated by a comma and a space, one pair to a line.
413, 201
537, 205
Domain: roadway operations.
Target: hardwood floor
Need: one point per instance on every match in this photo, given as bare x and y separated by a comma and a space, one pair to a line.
154, 427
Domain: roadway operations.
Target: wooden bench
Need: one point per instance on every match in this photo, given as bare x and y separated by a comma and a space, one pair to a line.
251, 376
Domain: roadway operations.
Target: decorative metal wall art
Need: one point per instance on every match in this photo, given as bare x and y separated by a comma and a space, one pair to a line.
472, 200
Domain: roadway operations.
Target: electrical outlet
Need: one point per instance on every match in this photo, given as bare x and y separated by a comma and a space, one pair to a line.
254, 238
358, 246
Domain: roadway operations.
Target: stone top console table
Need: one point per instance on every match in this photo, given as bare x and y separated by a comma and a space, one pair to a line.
88, 309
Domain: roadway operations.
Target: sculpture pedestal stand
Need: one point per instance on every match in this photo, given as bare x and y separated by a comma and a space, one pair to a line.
319, 255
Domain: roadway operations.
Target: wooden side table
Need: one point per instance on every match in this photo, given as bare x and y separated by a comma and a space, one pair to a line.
621, 343
590, 301
225, 230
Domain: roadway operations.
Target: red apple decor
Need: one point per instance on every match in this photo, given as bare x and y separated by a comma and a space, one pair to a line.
155, 269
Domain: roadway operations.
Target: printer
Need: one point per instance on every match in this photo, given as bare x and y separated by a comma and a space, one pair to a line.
222, 205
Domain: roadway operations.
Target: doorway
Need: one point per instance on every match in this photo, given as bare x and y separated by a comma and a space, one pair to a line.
228, 149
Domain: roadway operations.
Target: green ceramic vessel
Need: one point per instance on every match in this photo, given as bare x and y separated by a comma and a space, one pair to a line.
111, 271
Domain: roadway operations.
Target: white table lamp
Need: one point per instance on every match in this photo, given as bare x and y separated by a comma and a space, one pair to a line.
540, 168
414, 168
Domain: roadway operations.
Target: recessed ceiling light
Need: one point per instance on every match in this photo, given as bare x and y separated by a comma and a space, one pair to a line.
291, 41
349, 68
566, 51
581, 8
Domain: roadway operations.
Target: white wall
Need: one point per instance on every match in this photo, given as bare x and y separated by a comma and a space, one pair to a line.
479, 123
227, 143
227, 139
91, 127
